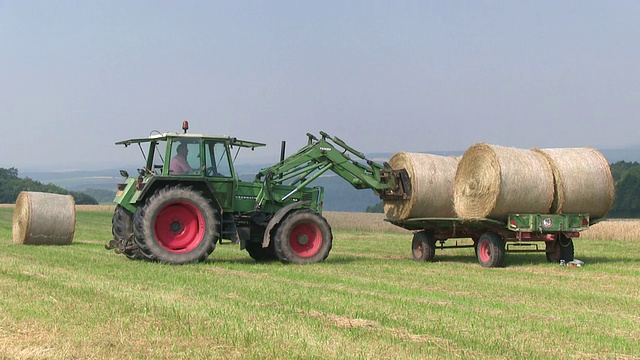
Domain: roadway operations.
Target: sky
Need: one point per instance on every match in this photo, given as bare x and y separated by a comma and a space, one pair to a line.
384, 76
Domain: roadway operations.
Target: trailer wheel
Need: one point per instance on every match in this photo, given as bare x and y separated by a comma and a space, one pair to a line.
423, 246
177, 225
258, 253
303, 237
490, 250
122, 230
560, 249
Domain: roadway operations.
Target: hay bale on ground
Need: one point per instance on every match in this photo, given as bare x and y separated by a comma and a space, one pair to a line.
583, 181
44, 219
493, 181
431, 185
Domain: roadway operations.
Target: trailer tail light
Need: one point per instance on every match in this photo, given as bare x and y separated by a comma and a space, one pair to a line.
121, 187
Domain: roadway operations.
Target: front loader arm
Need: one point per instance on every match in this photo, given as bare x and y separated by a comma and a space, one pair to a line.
331, 153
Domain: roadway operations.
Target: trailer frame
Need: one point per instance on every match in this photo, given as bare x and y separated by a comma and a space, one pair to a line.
493, 238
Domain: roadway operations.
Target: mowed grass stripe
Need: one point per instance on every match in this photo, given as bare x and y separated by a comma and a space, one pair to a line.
368, 300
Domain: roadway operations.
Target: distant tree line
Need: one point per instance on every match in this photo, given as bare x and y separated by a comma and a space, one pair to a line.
377, 208
101, 195
626, 176
11, 186
626, 204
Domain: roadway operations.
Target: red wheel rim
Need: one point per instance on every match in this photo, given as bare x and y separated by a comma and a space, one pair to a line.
418, 251
305, 239
179, 227
484, 251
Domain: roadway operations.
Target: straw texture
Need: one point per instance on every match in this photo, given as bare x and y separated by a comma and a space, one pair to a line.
583, 181
493, 181
431, 185
44, 219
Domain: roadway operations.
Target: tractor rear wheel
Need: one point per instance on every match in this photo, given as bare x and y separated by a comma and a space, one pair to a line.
490, 250
423, 246
177, 225
122, 230
560, 249
303, 237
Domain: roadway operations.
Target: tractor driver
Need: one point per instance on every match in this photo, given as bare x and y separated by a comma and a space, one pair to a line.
179, 164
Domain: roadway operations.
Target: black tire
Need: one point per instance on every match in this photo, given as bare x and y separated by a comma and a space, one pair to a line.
254, 245
303, 237
177, 225
560, 249
475, 244
260, 254
423, 246
122, 230
490, 250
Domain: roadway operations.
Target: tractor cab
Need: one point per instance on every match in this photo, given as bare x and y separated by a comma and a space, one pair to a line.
198, 160
192, 155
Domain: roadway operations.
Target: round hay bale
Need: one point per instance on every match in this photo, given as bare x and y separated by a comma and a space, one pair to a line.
431, 179
583, 181
44, 219
494, 181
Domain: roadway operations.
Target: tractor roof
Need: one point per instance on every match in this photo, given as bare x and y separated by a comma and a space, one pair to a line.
164, 136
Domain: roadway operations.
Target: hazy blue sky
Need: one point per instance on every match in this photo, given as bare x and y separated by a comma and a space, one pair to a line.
77, 76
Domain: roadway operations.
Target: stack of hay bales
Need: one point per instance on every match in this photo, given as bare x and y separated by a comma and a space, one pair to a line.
431, 179
44, 219
492, 181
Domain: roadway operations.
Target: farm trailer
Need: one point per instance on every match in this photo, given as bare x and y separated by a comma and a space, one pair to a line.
493, 238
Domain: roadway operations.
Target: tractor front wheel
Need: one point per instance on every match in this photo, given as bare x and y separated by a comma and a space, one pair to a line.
177, 225
303, 237
490, 250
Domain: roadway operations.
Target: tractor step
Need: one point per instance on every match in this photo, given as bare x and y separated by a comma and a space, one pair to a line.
229, 230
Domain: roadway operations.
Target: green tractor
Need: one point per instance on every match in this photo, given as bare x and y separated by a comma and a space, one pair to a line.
188, 197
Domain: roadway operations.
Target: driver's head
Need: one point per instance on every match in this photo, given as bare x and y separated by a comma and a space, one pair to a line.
182, 148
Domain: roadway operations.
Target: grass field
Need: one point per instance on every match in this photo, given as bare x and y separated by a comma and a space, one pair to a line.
368, 300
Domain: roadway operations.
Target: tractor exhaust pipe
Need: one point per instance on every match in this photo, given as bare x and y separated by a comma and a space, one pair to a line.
283, 145
282, 148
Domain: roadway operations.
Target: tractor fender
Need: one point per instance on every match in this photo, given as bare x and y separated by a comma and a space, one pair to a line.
158, 182
277, 217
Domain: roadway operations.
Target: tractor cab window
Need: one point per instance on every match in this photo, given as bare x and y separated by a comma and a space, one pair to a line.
185, 158
217, 160
157, 159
